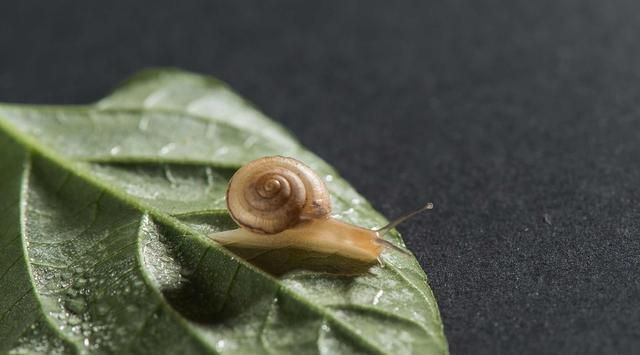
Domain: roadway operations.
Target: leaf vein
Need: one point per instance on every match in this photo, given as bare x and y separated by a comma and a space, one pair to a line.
381, 312
9, 268
14, 304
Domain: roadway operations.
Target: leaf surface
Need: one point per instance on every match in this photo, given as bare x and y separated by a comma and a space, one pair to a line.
103, 247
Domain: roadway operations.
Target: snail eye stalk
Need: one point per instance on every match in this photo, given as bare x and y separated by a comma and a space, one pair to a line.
385, 229
382, 231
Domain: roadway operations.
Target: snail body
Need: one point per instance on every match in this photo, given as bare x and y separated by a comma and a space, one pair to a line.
279, 203
326, 236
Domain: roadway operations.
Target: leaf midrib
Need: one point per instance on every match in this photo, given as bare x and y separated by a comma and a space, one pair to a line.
207, 120
75, 168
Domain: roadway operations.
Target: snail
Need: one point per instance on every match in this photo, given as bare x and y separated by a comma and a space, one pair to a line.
280, 203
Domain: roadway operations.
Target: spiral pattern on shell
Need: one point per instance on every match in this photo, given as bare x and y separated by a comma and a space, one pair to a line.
271, 194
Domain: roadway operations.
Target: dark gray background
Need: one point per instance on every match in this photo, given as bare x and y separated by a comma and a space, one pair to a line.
520, 120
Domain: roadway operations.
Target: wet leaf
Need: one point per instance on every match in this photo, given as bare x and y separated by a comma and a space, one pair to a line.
103, 247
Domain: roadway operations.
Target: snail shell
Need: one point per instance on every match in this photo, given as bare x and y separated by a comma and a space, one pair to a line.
272, 194
280, 203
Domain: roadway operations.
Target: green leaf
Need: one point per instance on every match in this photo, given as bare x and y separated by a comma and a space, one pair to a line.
103, 247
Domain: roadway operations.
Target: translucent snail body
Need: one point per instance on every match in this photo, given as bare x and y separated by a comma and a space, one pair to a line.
281, 204
327, 236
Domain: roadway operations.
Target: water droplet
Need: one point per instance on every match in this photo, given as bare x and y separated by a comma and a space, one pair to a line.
76, 305
143, 124
102, 309
169, 176
249, 142
121, 331
220, 345
210, 181
328, 178
154, 97
376, 298
221, 151
115, 150
74, 320
167, 148
355, 201
86, 342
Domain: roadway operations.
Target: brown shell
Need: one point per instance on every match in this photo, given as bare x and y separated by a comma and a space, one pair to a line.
272, 194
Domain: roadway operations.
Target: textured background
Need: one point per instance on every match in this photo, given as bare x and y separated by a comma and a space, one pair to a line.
520, 120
